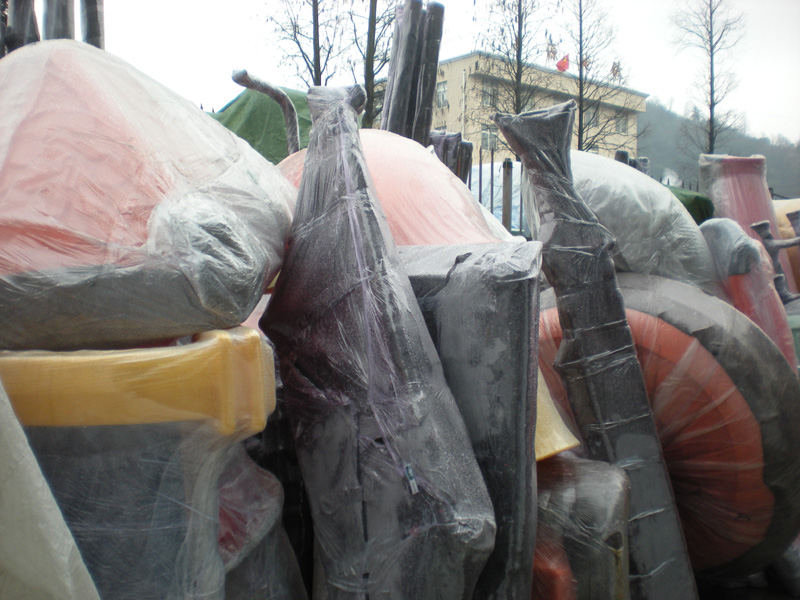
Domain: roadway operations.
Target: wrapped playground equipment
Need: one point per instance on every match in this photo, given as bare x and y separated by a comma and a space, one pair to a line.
132, 444
415, 424
392, 480
128, 215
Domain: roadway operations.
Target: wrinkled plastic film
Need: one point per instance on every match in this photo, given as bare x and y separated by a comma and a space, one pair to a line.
398, 501
258, 558
38, 554
724, 402
133, 454
747, 276
481, 307
583, 530
424, 203
128, 215
598, 361
738, 188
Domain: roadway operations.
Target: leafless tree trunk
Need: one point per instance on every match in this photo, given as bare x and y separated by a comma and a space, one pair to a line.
371, 39
602, 102
514, 35
310, 34
710, 27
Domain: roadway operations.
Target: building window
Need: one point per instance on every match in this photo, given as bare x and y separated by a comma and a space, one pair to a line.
489, 95
488, 137
441, 94
621, 124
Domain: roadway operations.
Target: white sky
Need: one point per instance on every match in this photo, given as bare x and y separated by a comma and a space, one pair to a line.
193, 45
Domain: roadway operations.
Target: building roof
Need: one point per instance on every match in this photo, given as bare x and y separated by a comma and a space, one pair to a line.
490, 55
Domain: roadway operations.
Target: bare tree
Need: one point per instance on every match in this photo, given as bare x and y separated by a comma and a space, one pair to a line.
515, 39
603, 102
310, 33
371, 40
709, 27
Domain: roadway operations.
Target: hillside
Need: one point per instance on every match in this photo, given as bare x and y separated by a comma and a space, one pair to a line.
662, 143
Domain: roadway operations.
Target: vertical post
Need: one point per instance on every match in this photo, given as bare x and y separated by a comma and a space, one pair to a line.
59, 20
480, 174
92, 22
3, 25
507, 177
491, 177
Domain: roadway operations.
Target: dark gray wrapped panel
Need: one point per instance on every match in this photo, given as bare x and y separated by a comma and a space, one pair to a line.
481, 304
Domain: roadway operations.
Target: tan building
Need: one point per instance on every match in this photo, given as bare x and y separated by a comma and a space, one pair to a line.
470, 88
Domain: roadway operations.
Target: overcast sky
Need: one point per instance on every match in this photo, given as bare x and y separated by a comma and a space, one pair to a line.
193, 45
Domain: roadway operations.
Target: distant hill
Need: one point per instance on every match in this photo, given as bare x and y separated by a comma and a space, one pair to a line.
662, 143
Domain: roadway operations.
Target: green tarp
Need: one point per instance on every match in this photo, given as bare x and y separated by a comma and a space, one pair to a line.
698, 205
259, 120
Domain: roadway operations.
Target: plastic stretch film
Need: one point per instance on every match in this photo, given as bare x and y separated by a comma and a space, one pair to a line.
738, 188
127, 215
38, 555
399, 505
654, 233
747, 276
258, 558
726, 405
133, 468
481, 306
582, 533
424, 202
597, 360
782, 208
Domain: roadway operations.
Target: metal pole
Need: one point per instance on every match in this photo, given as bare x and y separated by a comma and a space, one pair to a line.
480, 174
491, 180
507, 179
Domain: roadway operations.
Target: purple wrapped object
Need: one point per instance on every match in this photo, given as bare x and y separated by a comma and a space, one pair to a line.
399, 505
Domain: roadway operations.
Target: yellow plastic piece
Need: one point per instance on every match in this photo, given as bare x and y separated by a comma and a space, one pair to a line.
552, 434
226, 377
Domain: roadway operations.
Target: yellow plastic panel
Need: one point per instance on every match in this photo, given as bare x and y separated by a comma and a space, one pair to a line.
223, 376
552, 434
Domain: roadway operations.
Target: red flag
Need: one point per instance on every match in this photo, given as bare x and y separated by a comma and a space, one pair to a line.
563, 64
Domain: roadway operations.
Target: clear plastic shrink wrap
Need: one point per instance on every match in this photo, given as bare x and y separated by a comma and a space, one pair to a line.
782, 208
424, 203
726, 406
127, 215
582, 533
597, 360
400, 508
132, 444
737, 186
747, 277
654, 233
38, 555
480, 303
258, 558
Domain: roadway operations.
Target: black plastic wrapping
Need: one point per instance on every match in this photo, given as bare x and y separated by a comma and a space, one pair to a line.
401, 83
400, 507
597, 359
481, 307
447, 145
429, 64
59, 19
583, 510
22, 26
